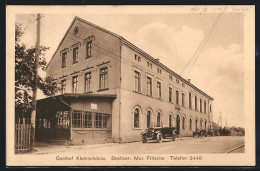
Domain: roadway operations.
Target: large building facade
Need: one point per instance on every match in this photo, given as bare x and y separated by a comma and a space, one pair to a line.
112, 90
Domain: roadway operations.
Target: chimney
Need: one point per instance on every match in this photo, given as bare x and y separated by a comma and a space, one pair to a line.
189, 80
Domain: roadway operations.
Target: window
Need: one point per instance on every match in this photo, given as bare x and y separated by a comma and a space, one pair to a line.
149, 64
183, 85
106, 121
177, 97
170, 77
76, 119
84, 119
200, 105
64, 58
177, 81
89, 51
136, 118
190, 124
63, 85
137, 82
183, 122
210, 108
75, 55
190, 106
62, 119
159, 89
98, 120
205, 107
74, 84
87, 120
170, 120
139, 59
205, 124
183, 99
103, 83
158, 119
149, 86
87, 81
196, 103
196, 124
170, 94
201, 124
148, 118
159, 70
135, 57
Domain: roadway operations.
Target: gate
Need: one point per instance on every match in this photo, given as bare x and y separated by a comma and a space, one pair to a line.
22, 135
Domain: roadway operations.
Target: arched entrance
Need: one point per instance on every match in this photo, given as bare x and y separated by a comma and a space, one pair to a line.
178, 124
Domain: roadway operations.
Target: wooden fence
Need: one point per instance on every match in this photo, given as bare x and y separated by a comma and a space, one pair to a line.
22, 135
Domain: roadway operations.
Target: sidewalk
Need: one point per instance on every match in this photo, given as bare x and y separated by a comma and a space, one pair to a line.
48, 148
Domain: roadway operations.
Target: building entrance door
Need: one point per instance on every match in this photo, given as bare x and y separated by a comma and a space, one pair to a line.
178, 124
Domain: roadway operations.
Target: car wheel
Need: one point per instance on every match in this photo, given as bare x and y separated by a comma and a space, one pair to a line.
159, 138
144, 139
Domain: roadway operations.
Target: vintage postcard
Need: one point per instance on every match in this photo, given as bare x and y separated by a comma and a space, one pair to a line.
130, 86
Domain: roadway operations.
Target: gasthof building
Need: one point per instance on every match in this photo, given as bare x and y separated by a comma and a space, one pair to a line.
112, 91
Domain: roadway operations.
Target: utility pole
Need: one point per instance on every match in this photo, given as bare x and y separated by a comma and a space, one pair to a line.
35, 86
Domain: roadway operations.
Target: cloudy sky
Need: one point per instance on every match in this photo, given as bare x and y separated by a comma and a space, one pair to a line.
174, 39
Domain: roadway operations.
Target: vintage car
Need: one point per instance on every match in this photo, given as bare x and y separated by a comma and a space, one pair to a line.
158, 133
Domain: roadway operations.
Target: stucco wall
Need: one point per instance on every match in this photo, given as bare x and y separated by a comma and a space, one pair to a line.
131, 99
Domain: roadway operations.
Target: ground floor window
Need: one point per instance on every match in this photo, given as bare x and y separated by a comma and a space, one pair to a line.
170, 120
86, 119
136, 118
190, 124
148, 118
183, 122
158, 119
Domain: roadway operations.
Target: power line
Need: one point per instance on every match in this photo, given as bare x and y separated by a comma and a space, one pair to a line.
202, 44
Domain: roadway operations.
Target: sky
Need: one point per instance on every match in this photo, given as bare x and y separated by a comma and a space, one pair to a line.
174, 39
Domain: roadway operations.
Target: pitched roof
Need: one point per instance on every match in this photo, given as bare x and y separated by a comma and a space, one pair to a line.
132, 46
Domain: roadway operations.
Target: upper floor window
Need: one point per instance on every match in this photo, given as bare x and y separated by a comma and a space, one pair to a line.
103, 82
64, 58
183, 85
177, 81
159, 89
159, 70
190, 106
205, 107
170, 77
196, 103
183, 99
149, 64
89, 49
177, 97
170, 94
74, 84
209, 108
137, 82
63, 86
149, 86
200, 105
87, 81
75, 55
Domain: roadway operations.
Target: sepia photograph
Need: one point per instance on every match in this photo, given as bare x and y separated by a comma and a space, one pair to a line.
130, 86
